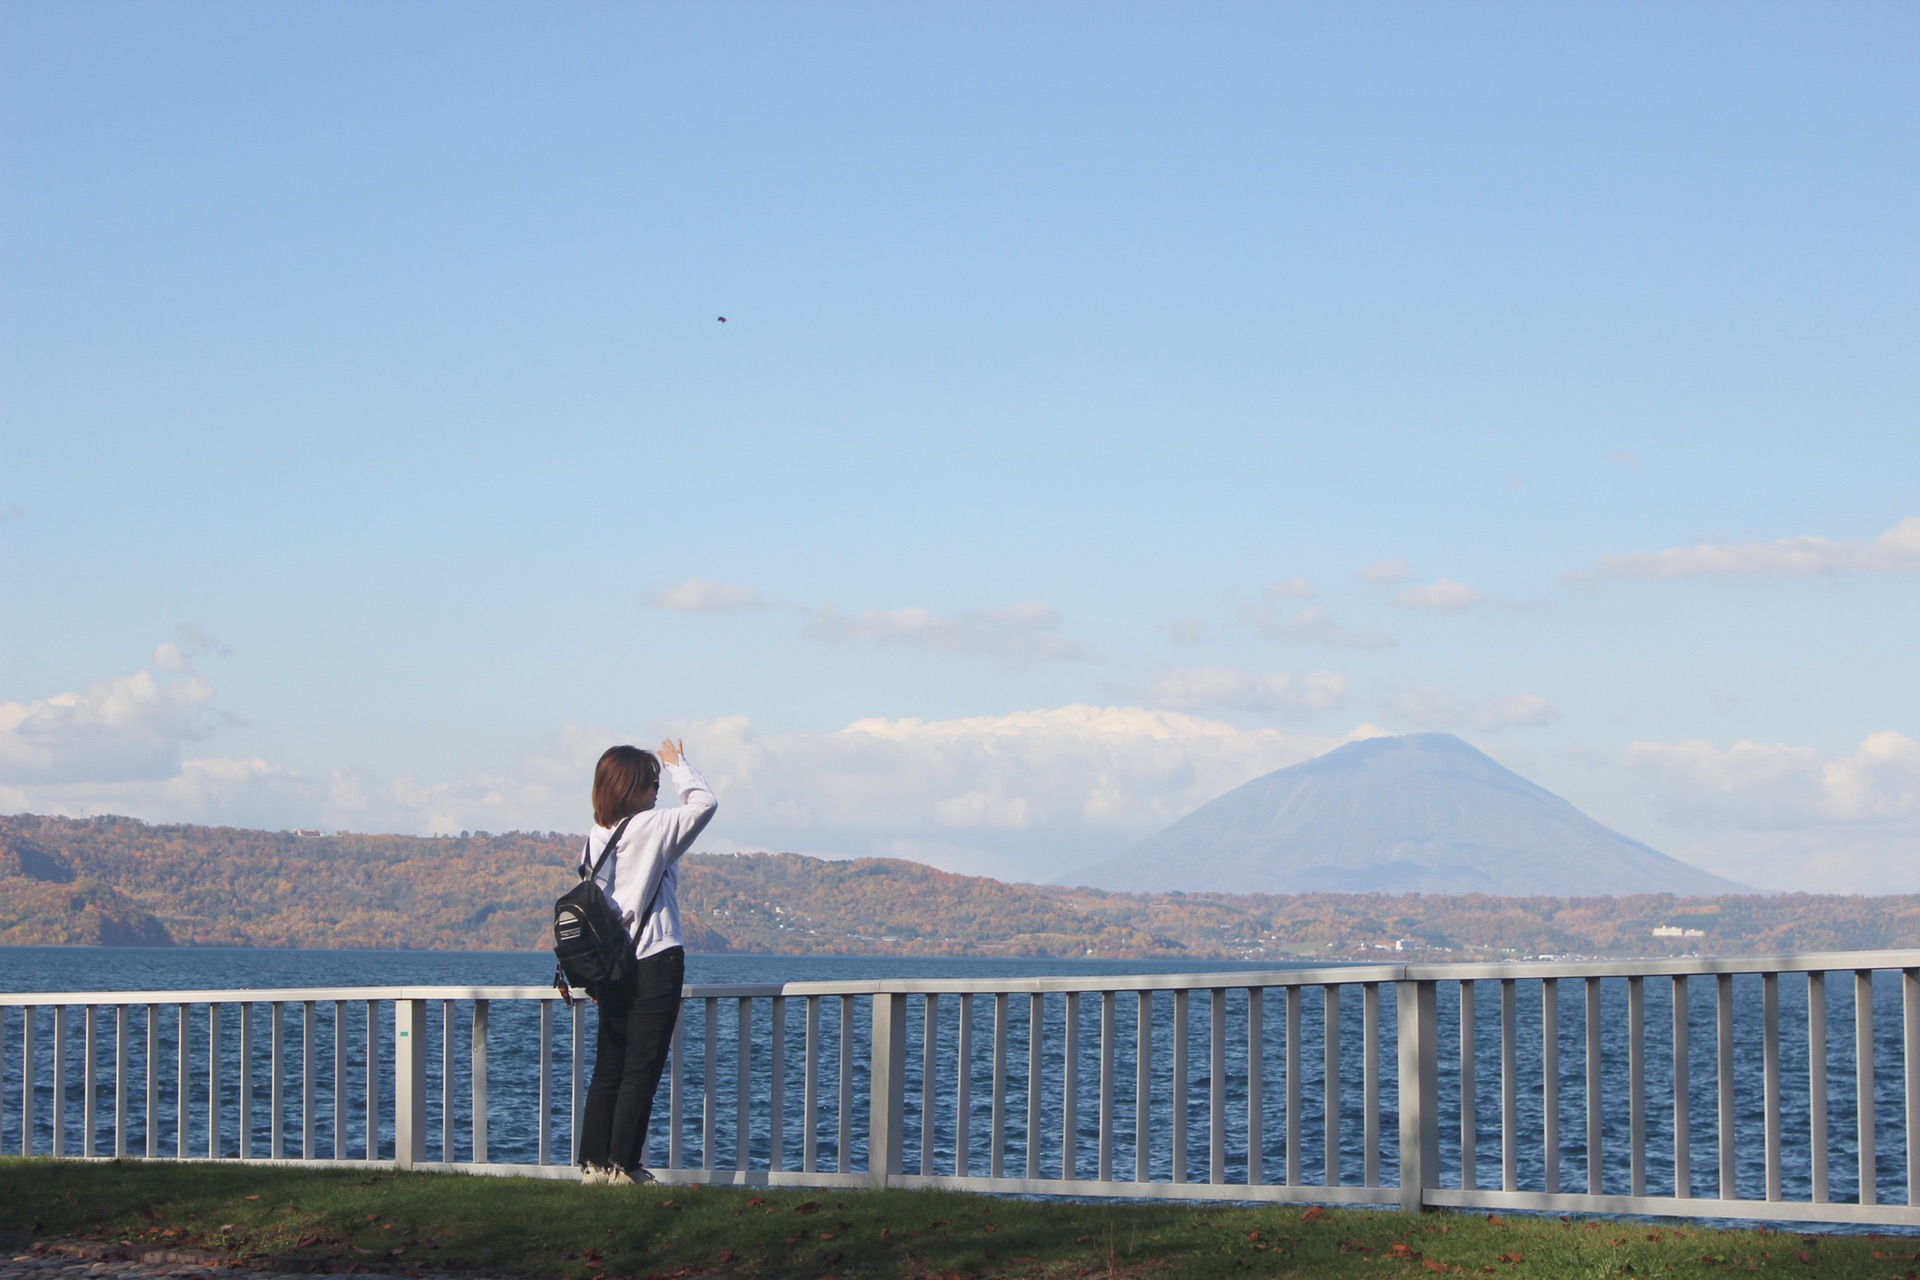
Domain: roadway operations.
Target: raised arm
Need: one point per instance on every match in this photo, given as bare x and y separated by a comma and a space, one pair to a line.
697, 802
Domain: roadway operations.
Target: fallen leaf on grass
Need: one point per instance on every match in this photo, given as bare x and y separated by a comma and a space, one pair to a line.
726, 1255
1399, 1249
826, 1235
811, 1206
1354, 1246
757, 1200
1495, 1219
1801, 1254
1314, 1214
1431, 1265
1510, 1257
250, 1197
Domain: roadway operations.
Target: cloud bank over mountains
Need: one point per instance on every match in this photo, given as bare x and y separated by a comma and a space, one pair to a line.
1023, 795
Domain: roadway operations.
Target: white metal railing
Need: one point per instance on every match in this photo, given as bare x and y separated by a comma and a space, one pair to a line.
1210, 1086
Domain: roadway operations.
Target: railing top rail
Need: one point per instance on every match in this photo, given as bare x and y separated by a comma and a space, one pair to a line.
1834, 961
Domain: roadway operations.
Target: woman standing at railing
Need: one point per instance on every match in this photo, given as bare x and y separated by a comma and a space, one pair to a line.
637, 1016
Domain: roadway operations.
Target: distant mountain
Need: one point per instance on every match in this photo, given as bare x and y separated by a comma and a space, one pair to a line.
1425, 813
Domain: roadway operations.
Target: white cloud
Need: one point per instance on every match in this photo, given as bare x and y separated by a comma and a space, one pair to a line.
1444, 595
1233, 689
1772, 786
697, 595
1428, 708
1897, 550
1312, 625
1018, 634
1294, 588
122, 728
1387, 573
1792, 817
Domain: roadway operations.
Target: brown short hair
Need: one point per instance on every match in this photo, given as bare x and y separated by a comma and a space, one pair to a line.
619, 780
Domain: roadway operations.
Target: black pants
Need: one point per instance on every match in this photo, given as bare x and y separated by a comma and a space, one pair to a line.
636, 1026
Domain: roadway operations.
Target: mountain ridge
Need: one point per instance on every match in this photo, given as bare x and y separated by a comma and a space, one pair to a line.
1420, 813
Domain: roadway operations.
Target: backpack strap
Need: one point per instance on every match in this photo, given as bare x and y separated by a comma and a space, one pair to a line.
613, 842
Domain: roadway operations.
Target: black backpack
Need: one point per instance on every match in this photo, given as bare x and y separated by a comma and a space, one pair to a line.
590, 941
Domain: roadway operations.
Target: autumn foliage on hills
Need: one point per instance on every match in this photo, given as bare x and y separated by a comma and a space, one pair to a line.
118, 881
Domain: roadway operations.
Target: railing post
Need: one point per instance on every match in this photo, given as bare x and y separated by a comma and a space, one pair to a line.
409, 1082
887, 1083
1419, 1093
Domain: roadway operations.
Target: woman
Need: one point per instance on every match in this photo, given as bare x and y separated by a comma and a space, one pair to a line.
637, 1016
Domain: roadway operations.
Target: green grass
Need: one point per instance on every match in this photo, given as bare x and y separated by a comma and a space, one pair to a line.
526, 1227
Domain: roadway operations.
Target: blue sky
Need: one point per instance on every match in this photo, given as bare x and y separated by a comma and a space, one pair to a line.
1114, 402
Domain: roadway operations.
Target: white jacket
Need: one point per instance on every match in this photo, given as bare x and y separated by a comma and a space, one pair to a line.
649, 856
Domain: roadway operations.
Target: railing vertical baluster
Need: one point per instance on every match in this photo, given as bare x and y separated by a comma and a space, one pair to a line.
59, 1080
1723, 1055
410, 1082
929, 1079
1863, 1100
1143, 1087
1469, 1102
577, 1084
246, 1079
1331, 1034
710, 1093
339, 1079
89, 1101
1256, 1087
963, 1091
183, 1089
1070, 1091
677, 1090
1817, 1082
743, 1083
1292, 1085
153, 1082
846, 1086
1910, 1060
213, 1081
1217, 1087
1370, 1082
777, 1086
887, 1083
545, 1153
1770, 1078
1509, 1085
997, 1133
308, 1042
1036, 1030
446, 1082
1104, 1168
120, 1082
29, 1052
810, 1090
276, 1057
1181, 1012
1596, 1097
478, 1050
1682, 1102
1419, 1077
373, 1078
1550, 1084
1636, 1086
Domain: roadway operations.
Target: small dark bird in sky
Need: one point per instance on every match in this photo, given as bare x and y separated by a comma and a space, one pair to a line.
722, 319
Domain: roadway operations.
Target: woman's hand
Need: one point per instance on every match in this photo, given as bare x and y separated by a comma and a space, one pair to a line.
672, 752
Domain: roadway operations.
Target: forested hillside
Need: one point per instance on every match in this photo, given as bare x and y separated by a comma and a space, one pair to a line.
119, 881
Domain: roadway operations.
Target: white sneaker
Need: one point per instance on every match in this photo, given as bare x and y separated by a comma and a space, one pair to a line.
636, 1178
594, 1175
